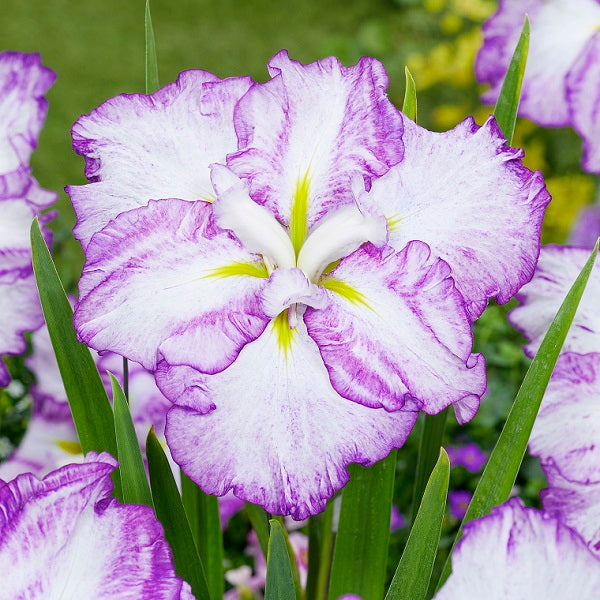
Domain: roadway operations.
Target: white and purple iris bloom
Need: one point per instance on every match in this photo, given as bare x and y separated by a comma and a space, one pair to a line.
65, 537
561, 85
299, 264
23, 83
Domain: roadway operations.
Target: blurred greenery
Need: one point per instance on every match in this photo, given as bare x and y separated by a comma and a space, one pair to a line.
97, 51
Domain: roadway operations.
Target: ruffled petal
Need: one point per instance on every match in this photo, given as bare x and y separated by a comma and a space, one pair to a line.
576, 504
141, 147
540, 300
63, 537
306, 131
23, 83
395, 332
468, 196
567, 428
518, 552
164, 281
560, 29
583, 95
15, 245
279, 434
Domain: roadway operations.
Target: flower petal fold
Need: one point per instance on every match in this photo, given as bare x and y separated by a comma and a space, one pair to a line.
280, 435
468, 196
519, 552
165, 281
140, 147
567, 428
395, 332
63, 537
540, 300
560, 30
307, 130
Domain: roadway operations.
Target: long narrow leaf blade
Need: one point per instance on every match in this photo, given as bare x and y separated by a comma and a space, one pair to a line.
260, 524
87, 397
170, 512
501, 470
151, 63
507, 105
131, 465
205, 522
412, 576
361, 546
409, 107
280, 574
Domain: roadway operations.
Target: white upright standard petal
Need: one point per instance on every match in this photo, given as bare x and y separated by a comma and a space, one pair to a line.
518, 552
560, 30
540, 300
64, 538
165, 281
139, 148
468, 196
567, 429
280, 435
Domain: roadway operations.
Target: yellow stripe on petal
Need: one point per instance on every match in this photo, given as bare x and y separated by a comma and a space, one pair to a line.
393, 222
298, 220
69, 446
239, 269
285, 335
345, 290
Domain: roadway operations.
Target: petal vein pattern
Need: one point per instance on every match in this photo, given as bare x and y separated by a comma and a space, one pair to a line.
280, 435
401, 336
139, 148
308, 129
468, 196
154, 287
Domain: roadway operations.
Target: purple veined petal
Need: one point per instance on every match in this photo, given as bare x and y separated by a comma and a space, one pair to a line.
567, 428
308, 129
395, 332
586, 230
583, 96
519, 552
23, 83
279, 434
468, 196
63, 537
576, 504
141, 147
156, 284
560, 29
540, 300
15, 246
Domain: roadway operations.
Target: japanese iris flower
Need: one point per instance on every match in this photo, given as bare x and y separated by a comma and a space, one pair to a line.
64, 537
561, 84
520, 552
23, 83
299, 264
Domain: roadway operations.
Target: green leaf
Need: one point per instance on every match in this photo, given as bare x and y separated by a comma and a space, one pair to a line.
361, 546
503, 465
432, 434
412, 576
131, 465
151, 63
409, 107
280, 574
205, 523
87, 397
170, 512
507, 105
260, 524
320, 545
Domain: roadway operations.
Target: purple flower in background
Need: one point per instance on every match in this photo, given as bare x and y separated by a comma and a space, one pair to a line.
586, 229
470, 456
458, 502
23, 83
518, 552
242, 241
561, 85
397, 520
64, 537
